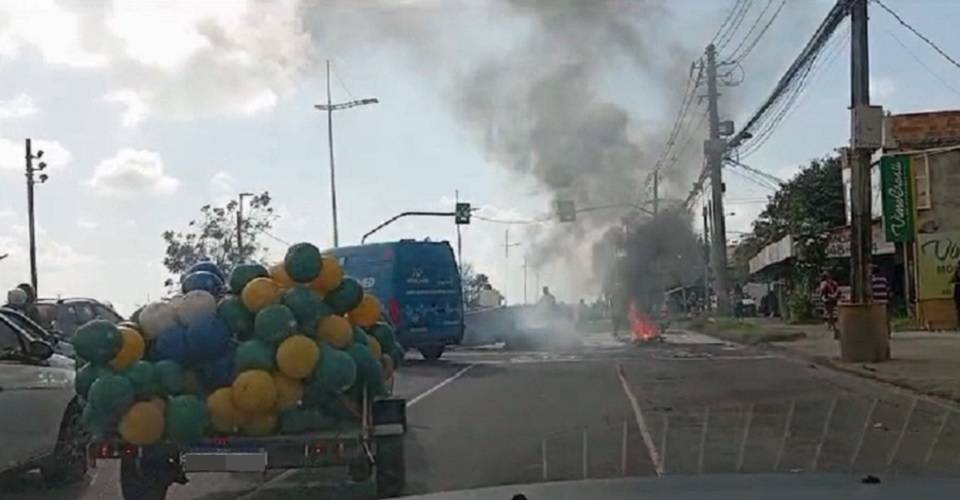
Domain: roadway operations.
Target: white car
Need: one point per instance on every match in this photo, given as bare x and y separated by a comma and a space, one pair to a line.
39, 414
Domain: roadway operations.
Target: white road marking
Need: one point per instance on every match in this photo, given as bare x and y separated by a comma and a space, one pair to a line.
641, 424
437, 387
289, 472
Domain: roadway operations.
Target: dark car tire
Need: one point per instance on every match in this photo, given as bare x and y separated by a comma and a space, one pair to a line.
391, 468
136, 485
431, 353
69, 461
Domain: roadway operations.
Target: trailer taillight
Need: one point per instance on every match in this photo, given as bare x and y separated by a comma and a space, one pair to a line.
220, 441
111, 450
393, 308
327, 450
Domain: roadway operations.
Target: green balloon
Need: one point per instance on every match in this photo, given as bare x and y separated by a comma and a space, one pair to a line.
369, 370
143, 377
384, 335
86, 376
336, 370
169, 377
96, 421
255, 354
243, 274
303, 262
111, 394
97, 341
397, 355
305, 303
236, 316
274, 323
360, 336
345, 297
295, 421
186, 419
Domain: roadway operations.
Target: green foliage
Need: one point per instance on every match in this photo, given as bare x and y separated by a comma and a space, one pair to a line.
213, 236
801, 304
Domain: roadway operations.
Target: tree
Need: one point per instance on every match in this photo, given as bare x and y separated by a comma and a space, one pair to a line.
472, 283
213, 236
806, 207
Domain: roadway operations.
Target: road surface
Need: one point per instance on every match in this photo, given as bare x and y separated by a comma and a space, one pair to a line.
688, 405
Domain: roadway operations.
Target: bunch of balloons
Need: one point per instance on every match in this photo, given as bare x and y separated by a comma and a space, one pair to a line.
286, 348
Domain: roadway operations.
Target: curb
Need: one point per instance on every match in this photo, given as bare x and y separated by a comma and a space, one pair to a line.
831, 364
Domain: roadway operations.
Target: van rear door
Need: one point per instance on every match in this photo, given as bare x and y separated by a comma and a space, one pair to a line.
429, 297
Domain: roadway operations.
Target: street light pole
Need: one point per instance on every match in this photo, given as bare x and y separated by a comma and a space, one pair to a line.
31, 216
330, 107
240, 198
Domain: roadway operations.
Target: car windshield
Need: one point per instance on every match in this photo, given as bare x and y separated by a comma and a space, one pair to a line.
385, 248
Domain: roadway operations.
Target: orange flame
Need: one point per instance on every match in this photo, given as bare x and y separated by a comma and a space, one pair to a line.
643, 329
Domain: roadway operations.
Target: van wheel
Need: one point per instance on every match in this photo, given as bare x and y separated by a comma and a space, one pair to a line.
431, 353
69, 462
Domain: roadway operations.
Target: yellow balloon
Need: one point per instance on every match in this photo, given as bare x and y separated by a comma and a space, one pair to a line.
254, 391
260, 293
160, 403
278, 273
374, 345
330, 275
367, 312
336, 331
297, 355
289, 391
142, 424
131, 350
224, 415
260, 424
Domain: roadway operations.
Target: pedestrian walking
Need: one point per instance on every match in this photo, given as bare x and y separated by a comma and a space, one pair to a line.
829, 291
881, 293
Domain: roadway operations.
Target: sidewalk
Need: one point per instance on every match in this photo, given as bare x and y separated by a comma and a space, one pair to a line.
926, 362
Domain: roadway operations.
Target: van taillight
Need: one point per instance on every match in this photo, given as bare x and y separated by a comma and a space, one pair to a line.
393, 307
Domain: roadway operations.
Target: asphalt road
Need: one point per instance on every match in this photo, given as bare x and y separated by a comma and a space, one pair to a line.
689, 405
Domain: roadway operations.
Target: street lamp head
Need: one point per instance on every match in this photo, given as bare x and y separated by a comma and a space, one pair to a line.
39, 154
246, 194
43, 178
42, 166
370, 100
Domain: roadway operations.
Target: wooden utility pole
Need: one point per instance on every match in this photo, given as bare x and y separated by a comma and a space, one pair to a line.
656, 191
714, 148
706, 255
861, 225
31, 215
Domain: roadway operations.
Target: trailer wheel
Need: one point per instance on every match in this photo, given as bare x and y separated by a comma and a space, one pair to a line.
391, 468
431, 352
138, 484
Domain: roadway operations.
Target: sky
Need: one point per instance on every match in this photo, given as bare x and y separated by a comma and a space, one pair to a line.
147, 110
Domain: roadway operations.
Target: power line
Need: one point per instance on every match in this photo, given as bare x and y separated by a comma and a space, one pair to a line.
762, 32
917, 33
722, 43
726, 21
921, 63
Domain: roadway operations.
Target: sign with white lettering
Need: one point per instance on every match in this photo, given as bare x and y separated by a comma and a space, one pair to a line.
897, 197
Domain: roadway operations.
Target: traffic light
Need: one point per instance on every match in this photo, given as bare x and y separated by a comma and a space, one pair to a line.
462, 213
566, 211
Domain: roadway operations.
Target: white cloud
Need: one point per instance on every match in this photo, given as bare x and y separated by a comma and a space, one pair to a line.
18, 106
882, 87
134, 107
6, 213
223, 182
12, 152
58, 34
86, 224
132, 172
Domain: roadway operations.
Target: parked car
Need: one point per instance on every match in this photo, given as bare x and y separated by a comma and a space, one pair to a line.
64, 316
55, 339
39, 412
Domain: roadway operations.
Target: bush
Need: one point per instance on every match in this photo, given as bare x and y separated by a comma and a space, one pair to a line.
802, 306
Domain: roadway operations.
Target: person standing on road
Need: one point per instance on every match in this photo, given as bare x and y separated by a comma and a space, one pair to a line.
29, 307
881, 292
829, 292
956, 291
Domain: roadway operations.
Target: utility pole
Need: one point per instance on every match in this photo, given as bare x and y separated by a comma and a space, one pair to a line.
656, 191
715, 147
861, 237
506, 262
459, 240
31, 215
706, 255
333, 175
525, 280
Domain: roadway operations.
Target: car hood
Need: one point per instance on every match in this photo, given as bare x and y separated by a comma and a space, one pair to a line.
730, 486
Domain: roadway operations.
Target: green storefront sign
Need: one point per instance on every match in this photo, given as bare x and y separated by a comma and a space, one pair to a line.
897, 197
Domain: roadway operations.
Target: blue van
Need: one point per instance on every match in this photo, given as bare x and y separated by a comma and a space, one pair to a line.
419, 285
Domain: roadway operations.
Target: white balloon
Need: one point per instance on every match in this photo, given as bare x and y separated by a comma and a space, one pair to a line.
195, 304
157, 317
